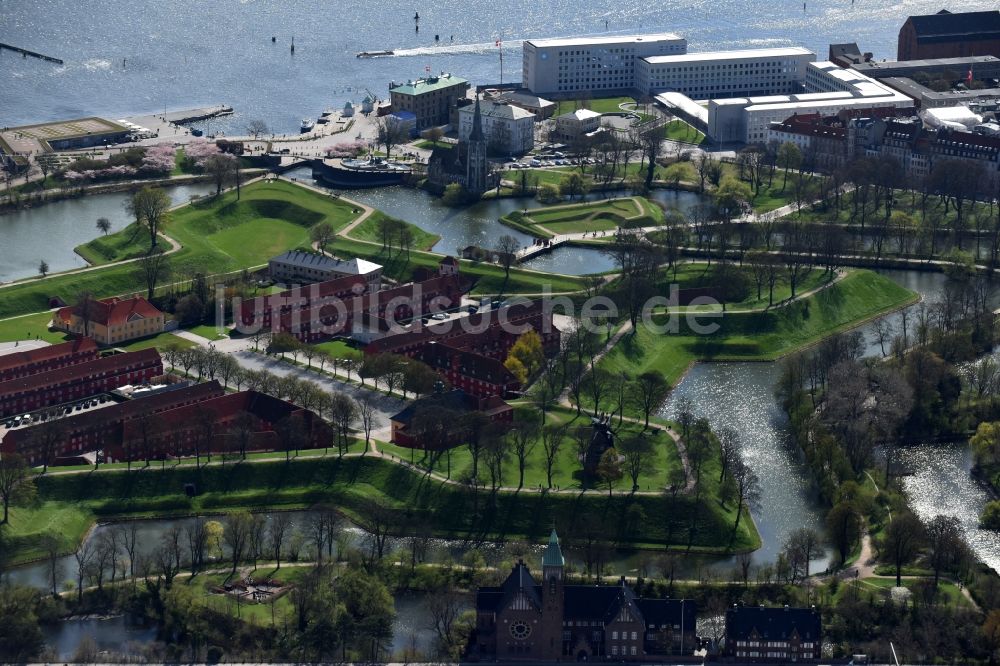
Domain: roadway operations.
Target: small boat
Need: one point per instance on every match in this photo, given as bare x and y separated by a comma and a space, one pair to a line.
307, 125
374, 54
327, 112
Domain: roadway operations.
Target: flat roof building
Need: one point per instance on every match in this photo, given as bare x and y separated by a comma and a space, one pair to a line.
829, 90
596, 66
430, 99
715, 74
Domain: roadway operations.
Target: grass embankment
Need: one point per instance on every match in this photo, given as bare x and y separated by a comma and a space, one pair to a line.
566, 470
760, 336
128, 243
878, 589
69, 503
605, 215
217, 234
678, 130
369, 231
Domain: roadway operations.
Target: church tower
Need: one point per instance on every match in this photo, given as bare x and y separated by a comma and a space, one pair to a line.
476, 165
553, 599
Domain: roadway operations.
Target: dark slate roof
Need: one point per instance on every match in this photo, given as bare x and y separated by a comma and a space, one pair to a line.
455, 399
945, 26
668, 611
773, 623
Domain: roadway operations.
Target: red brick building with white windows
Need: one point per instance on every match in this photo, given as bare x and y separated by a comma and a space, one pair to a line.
51, 357
78, 381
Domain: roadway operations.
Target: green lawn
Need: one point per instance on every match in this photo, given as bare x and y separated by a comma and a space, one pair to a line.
605, 105
369, 231
159, 341
604, 215
877, 588
566, 470
760, 336
339, 349
209, 331
28, 327
678, 130
352, 484
218, 235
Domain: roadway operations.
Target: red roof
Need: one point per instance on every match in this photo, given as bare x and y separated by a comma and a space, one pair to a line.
450, 260
79, 372
114, 311
15, 360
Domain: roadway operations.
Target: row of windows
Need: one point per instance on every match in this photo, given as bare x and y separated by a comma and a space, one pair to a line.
631, 650
614, 635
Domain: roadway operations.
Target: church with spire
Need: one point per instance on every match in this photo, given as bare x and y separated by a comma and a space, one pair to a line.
548, 619
466, 163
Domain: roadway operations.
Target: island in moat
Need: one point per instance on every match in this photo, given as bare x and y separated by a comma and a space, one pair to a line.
265, 422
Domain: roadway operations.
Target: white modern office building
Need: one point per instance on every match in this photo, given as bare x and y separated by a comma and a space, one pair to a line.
828, 91
509, 129
597, 66
719, 74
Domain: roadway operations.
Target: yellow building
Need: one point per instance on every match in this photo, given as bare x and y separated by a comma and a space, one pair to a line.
111, 321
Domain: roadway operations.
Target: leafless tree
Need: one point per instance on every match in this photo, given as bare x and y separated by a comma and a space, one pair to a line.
276, 531
151, 268
368, 412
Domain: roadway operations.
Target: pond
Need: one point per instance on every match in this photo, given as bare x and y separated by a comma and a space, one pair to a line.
741, 396
50, 232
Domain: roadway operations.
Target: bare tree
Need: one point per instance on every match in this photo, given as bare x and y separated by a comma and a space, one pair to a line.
367, 411
552, 439
151, 268
276, 532
389, 132
84, 557
523, 436
149, 206
15, 477
237, 535
747, 488
256, 127
506, 249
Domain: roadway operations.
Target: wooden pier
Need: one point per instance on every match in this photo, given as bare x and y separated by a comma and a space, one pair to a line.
26, 53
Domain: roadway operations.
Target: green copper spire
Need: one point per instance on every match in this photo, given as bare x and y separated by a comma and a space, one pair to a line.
553, 553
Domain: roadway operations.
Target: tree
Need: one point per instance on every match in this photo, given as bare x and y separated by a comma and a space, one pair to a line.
43, 267
843, 524
789, 157
221, 167
574, 184
732, 197
902, 542
84, 556
523, 437
801, 546
103, 225
551, 437
529, 352
322, 234
389, 132
151, 268
367, 412
746, 484
454, 195
636, 451
647, 393
149, 206
506, 248
237, 535
609, 469
256, 127
445, 610
45, 438
197, 539
15, 479
945, 544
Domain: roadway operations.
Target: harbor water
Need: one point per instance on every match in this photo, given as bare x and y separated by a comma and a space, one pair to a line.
145, 57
